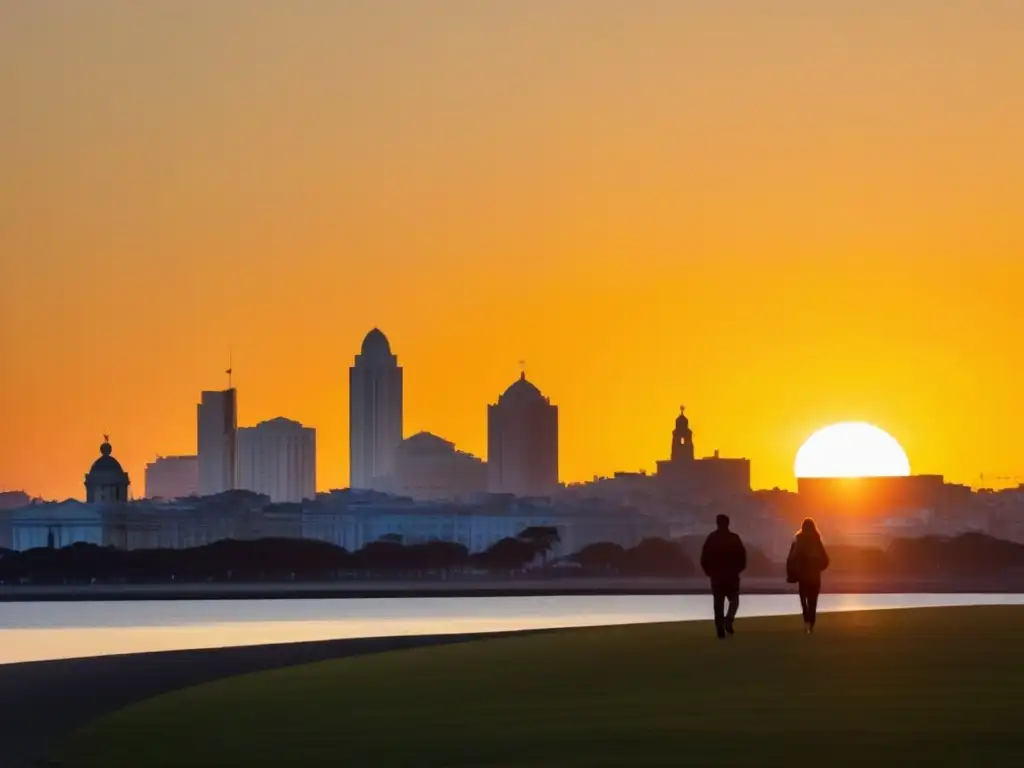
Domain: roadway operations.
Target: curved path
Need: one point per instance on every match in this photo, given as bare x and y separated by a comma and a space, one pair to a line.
44, 700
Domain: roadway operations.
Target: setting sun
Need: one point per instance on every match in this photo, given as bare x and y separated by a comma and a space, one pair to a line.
851, 449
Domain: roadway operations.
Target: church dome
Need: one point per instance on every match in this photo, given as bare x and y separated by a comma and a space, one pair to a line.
106, 482
522, 391
106, 466
376, 344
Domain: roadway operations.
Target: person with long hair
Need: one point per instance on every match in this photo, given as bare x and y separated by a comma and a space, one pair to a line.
807, 559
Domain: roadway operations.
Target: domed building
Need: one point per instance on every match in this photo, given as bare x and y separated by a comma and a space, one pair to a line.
106, 480
521, 392
522, 442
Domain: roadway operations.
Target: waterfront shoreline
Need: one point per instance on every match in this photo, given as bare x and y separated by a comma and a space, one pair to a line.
468, 588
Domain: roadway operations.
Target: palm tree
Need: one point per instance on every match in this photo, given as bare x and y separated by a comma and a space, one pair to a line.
542, 538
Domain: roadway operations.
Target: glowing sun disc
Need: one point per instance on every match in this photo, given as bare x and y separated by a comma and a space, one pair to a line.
851, 449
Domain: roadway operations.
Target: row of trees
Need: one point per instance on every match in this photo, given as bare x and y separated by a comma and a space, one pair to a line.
310, 560
971, 555
968, 556
271, 560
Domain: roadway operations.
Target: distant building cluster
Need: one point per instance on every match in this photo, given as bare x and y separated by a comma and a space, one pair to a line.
277, 457
253, 481
522, 439
350, 519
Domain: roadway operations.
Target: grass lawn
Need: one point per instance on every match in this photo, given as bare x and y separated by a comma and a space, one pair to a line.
918, 687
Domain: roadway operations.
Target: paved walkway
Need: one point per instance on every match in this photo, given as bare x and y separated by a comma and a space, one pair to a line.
42, 701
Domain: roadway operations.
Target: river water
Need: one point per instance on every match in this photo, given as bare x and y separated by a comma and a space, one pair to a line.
55, 630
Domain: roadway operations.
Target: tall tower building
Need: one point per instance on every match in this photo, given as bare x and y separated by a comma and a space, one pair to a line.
522, 442
278, 458
374, 411
217, 435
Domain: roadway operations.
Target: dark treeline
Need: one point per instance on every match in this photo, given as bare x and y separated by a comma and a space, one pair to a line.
968, 556
310, 560
971, 556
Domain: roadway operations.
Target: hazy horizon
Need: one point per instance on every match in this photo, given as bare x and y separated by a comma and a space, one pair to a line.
782, 215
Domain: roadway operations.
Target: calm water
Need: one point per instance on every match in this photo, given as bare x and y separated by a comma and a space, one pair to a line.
52, 630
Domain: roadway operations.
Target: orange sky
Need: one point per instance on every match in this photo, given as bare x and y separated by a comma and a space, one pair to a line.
781, 214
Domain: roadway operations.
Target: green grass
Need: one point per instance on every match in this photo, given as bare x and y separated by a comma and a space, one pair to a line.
918, 687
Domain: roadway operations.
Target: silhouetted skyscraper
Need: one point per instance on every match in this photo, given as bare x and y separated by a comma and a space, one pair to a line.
217, 437
375, 412
522, 442
278, 458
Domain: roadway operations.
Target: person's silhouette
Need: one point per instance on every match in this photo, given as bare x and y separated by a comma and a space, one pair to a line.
723, 559
807, 559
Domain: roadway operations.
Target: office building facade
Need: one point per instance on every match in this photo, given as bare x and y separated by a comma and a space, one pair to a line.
278, 459
217, 441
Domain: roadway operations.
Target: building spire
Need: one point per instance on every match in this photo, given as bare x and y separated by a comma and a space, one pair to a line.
522, 370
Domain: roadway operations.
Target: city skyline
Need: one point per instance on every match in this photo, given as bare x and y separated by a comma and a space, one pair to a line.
783, 219
377, 361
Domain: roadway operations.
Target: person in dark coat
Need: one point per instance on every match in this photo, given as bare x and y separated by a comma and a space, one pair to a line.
723, 559
807, 559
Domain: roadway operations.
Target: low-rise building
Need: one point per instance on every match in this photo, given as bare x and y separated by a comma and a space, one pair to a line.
172, 477
429, 468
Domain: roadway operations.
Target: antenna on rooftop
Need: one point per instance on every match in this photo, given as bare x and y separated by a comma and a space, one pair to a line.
228, 371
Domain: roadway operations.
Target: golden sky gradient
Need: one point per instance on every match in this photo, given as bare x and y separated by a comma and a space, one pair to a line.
782, 214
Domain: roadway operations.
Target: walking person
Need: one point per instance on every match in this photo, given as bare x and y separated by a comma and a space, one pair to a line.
807, 559
723, 559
